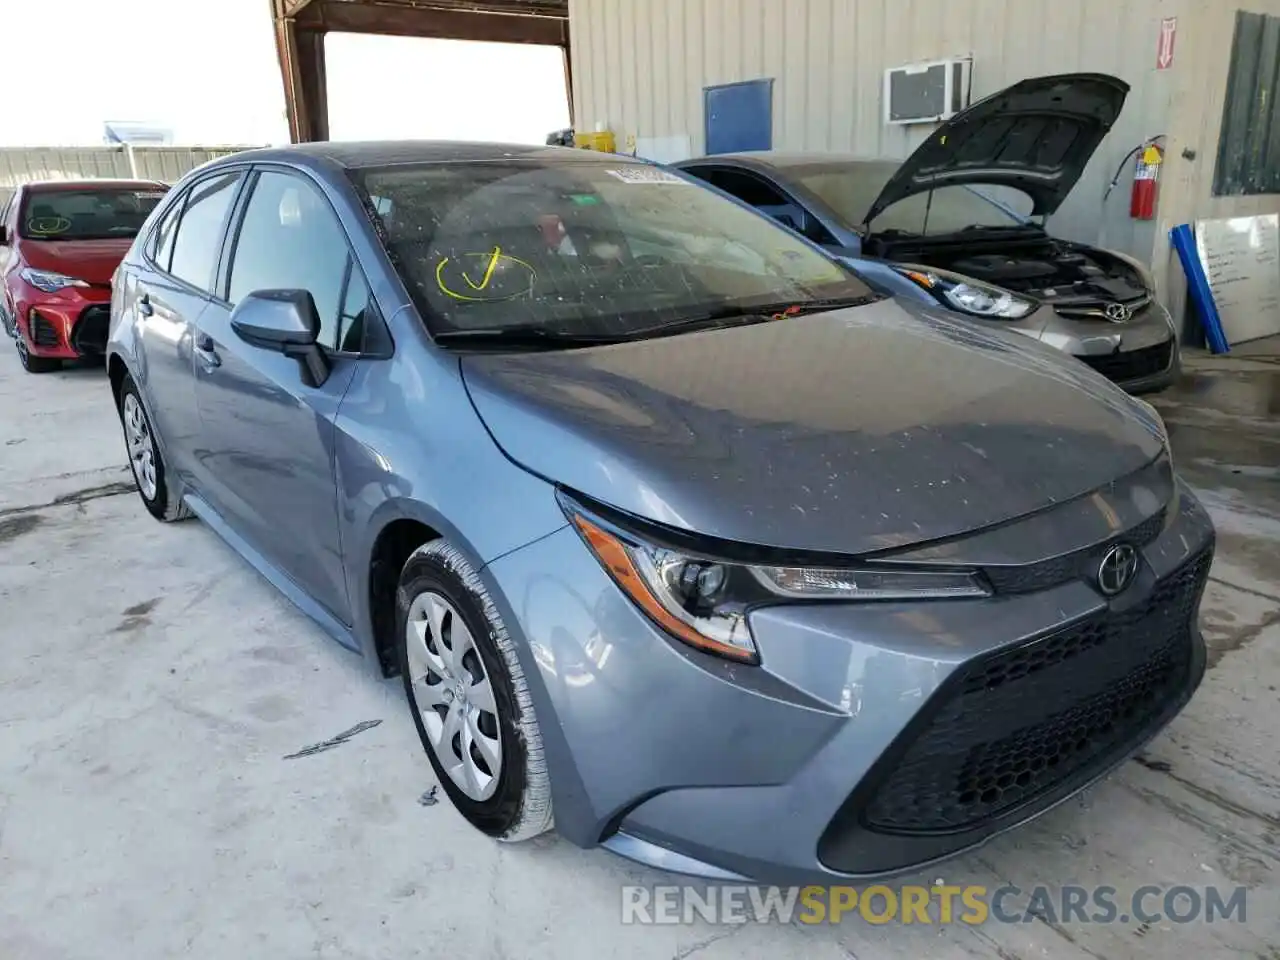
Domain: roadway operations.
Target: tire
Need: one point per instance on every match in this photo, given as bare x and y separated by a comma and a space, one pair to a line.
32, 363
515, 804
161, 500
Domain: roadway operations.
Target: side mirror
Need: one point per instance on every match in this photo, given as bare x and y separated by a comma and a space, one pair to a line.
285, 321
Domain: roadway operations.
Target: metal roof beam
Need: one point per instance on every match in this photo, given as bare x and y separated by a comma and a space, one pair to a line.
300, 26
439, 22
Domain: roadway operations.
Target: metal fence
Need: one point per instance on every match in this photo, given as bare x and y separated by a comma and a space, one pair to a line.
24, 164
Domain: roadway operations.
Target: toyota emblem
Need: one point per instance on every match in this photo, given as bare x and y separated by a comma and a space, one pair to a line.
1117, 312
1117, 569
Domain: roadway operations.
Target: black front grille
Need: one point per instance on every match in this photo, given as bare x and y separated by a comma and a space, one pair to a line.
1082, 564
42, 331
1133, 365
89, 336
1011, 726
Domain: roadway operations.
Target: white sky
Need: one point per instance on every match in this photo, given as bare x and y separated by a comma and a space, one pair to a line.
215, 79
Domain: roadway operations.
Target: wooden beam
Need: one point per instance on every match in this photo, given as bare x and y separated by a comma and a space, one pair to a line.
349, 17
315, 85
295, 101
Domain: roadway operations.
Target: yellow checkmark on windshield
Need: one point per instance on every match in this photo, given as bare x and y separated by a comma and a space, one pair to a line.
488, 271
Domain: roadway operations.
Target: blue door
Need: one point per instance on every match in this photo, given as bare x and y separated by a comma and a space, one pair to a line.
739, 116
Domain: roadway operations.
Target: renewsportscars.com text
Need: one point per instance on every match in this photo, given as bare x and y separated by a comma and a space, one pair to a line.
939, 904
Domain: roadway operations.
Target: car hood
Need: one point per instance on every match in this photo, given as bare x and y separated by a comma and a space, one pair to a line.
851, 431
1035, 136
91, 260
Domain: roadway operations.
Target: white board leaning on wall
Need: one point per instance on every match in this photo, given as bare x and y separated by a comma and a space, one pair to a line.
1241, 257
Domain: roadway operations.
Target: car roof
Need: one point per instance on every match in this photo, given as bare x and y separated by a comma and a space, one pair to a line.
56, 186
378, 153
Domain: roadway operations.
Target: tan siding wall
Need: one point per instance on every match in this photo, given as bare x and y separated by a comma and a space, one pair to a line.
642, 65
1187, 184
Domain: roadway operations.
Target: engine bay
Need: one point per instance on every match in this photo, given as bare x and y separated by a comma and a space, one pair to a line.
1043, 268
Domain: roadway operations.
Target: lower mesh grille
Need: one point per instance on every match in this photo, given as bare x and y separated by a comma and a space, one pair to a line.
1133, 365
90, 333
1016, 724
42, 331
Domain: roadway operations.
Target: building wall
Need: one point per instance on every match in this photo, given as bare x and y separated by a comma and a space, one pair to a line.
1186, 192
640, 67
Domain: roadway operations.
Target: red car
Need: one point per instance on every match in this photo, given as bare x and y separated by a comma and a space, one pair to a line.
60, 242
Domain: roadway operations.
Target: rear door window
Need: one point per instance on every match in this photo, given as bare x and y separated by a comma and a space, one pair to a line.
198, 238
769, 200
160, 246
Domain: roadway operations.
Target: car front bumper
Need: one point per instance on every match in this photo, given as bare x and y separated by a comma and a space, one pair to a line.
873, 738
66, 325
1140, 355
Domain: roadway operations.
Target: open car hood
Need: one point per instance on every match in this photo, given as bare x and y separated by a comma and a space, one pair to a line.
1035, 136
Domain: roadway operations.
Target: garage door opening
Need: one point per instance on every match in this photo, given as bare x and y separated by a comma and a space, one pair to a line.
389, 88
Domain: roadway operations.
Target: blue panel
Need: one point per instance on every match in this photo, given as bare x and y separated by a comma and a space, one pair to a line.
739, 116
1198, 291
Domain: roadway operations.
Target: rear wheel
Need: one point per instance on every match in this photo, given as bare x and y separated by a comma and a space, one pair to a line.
33, 364
161, 501
469, 697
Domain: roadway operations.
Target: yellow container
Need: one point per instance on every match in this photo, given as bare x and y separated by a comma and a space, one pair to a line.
603, 141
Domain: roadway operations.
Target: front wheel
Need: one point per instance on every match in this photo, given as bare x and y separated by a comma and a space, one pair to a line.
469, 697
161, 501
33, 364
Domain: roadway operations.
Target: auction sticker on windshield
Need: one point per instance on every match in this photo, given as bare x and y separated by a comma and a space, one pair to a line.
646, 175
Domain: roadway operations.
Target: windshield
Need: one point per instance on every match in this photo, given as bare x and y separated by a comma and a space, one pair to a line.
851, 188
584, 247
87, 214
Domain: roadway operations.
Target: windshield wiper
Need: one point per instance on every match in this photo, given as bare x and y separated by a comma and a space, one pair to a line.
535, 336
525, 335
755, 314
792, 309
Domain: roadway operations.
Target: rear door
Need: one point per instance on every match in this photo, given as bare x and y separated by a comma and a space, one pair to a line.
164, 294
267, 438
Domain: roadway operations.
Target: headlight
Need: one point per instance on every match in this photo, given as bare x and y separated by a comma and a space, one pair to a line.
48, 281
969, 296
704, 601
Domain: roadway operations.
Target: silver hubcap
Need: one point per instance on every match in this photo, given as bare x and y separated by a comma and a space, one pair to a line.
452, 692
142, 451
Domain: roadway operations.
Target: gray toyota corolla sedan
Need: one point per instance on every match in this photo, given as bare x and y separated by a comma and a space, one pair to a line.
673, 528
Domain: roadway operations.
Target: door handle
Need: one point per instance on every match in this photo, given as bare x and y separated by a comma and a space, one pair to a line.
144, 305
207, 352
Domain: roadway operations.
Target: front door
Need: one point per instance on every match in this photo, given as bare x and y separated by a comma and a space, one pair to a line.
268, 438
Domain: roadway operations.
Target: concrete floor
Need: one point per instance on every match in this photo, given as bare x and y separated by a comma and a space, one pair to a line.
151, 685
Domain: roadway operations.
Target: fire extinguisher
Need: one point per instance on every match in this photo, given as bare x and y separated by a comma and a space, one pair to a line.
1146, 181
